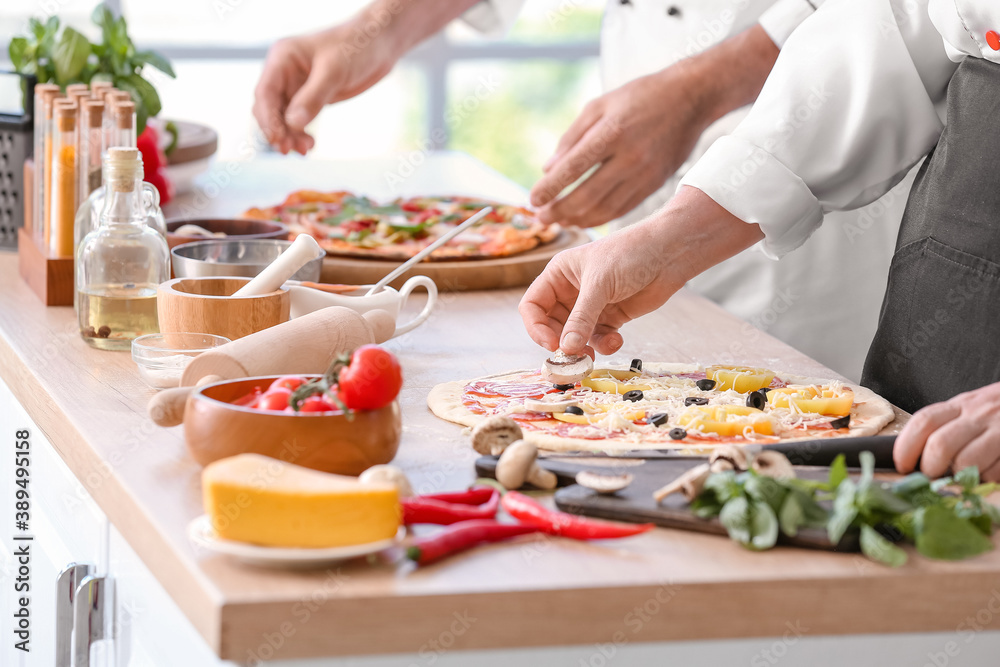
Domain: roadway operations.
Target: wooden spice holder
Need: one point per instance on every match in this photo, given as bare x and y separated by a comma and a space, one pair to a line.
50, 278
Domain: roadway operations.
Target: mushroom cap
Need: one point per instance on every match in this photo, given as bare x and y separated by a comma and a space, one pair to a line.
494, 434
603, 482
515, 463
734, 455
774, 464
390, 474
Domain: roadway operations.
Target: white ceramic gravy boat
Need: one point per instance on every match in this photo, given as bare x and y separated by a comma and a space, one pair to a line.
306, 299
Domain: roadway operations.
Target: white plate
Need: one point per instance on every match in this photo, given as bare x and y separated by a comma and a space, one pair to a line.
201, 533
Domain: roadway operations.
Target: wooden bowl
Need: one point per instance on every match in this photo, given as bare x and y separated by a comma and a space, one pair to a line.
206, 305
232, 228
214, 428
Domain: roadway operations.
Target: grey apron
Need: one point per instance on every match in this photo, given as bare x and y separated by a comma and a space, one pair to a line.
939, 329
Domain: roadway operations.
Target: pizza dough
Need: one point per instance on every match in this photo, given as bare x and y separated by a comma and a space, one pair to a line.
870, 414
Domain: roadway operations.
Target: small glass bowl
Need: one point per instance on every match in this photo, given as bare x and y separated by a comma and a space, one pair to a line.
162, 357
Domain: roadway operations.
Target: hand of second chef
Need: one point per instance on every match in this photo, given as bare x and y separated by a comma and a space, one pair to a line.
960, 432
639, 134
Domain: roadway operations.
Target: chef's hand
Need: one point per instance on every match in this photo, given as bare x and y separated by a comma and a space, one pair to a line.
586, 294
638, 135
303, 74
960, 432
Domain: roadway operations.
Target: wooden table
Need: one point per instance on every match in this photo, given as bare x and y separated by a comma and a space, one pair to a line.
665, 585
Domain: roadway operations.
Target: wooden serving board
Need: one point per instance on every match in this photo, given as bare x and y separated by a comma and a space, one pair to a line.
515, 271
635, 503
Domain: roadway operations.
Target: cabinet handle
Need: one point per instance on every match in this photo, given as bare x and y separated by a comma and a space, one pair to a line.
89, 608
66, 584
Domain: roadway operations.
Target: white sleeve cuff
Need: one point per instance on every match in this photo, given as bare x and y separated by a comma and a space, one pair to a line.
784, 16
754, 186
493, 18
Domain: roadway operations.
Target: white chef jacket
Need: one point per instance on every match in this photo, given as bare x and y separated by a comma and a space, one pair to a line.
793, 299
882, 79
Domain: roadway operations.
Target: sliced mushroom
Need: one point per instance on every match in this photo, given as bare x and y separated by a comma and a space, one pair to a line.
564, 368
390, 474
492, 435
690, 484
728, 457
603, 483
772, 464
535, 405
517, 466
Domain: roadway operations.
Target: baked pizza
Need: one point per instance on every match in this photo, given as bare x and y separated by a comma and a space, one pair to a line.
350, 225
666, 406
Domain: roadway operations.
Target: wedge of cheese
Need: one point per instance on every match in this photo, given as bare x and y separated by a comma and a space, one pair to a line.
257, 499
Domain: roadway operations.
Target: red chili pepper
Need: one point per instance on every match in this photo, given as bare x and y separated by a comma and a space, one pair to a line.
462, 536
424, 509
477, 495
554, 522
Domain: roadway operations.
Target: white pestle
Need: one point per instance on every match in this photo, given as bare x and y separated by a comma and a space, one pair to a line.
302, 251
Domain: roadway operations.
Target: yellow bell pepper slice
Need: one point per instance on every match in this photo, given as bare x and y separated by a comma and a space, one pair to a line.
824, 401
726, 420
743, 379
611, 381
592, 417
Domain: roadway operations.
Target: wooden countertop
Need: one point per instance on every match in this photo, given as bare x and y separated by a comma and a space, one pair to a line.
665, 585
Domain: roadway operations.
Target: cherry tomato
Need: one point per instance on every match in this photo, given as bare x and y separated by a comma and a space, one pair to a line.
289, 382
249, 400
274, 399
317, 404
372, 380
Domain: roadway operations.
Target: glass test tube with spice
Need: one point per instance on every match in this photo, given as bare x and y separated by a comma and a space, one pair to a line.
62, 197
44, 93
91, 148
120, 264
45, 166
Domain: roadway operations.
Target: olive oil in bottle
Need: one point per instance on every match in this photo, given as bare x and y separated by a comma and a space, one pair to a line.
120, 264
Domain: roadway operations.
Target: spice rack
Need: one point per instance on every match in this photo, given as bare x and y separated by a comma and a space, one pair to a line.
50, 278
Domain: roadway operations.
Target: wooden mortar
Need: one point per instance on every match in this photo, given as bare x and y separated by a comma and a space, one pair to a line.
206, 305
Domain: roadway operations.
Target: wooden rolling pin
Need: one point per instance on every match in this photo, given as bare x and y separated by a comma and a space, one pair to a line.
305, 345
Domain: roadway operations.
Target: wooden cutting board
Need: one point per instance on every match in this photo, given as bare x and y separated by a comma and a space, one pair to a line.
499, 273
635, 503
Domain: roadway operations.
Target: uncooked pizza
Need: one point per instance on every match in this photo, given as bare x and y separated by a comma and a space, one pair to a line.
666, 406
350, 225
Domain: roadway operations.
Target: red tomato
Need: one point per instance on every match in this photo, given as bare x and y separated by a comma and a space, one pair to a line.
372, 380
276, 398
249, 400
289, 382
317, 404
410, 206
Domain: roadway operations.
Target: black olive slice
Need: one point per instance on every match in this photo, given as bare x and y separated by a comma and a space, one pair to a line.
841, 422
757, 400
705, 385
678, 433
695, 400
564, 387
659, 419
636, 366
634, 395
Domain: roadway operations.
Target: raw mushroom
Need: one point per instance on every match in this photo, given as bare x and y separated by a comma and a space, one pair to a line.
517, 466
603, 483
772, 464
390, 474
563, 368
535, 405
728, 457
491, 436
690, 484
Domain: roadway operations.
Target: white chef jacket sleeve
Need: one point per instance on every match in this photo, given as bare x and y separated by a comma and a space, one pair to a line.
847, 110
784, 16
493, 17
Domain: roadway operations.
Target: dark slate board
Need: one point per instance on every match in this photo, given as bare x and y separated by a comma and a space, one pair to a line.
635, 504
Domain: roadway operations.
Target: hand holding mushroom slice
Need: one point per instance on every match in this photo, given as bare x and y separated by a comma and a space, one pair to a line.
563, 368
690, 484
390, 474
774, 464
493, 435
517, 466
728, 457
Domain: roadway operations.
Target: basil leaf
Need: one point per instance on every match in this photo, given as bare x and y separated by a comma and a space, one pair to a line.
154, 59
867, 460
876, 547
70, 55
751, 523
844, 511
766, 490
941, 483
942, 535
18, 51
838, 473
791, 515
147, 94
968, 478
724, 486
875, 498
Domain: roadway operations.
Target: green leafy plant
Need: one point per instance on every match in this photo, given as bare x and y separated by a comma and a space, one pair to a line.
69, 57
941, 524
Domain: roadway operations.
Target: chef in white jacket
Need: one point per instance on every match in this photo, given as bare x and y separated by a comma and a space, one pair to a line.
667, 100
892, 63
